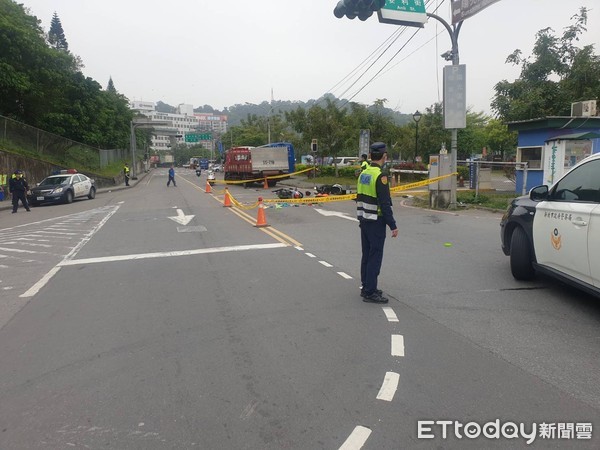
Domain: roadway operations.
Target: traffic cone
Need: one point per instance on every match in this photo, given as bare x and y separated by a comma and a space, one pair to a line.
207, 189
261, 220
266, 184
227, 200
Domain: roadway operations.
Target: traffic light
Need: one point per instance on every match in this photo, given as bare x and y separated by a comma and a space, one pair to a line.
363, 9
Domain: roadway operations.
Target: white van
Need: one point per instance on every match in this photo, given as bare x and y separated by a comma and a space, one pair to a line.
345, 161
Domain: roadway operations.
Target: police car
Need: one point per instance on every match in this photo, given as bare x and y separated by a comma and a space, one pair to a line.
556, 230
62, 187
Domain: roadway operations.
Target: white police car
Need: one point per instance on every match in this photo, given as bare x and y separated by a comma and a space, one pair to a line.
557, 230
62, 187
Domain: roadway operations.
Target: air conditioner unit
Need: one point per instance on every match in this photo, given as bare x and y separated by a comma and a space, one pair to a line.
584, 109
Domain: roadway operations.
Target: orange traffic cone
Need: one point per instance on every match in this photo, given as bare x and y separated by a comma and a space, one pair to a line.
261, 220
266, 184
227, 200
207, 189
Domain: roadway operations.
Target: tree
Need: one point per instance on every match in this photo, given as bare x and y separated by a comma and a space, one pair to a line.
111, 86
557, 74
56, 35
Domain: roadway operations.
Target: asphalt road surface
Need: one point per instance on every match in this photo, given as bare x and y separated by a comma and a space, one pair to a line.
156, 318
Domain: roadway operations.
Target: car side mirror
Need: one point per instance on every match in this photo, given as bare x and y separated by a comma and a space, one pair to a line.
539, 193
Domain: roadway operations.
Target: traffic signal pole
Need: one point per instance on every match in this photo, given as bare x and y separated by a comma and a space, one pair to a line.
453, 32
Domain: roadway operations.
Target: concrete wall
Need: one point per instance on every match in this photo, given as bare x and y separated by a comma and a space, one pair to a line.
36, 170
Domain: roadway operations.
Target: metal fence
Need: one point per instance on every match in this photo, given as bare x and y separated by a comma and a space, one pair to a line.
36, 143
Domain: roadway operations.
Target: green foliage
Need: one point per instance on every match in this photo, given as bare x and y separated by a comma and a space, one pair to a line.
42, 85
557, 74
463, 171
56, 35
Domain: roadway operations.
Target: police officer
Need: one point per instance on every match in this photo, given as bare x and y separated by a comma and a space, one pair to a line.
364, 163
374, 212
126, 174
18, 187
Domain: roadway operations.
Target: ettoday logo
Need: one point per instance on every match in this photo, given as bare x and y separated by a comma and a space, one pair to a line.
430, 429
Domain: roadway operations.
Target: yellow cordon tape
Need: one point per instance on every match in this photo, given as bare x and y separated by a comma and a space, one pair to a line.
405, 187
340, 198
256, 180
334, 198
330, 198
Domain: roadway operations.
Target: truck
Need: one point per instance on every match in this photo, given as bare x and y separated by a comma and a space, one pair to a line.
257, 163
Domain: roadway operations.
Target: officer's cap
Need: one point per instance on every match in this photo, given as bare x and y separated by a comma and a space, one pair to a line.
377, 150
18, 171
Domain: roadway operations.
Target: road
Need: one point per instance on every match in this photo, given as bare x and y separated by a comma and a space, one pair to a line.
154, 318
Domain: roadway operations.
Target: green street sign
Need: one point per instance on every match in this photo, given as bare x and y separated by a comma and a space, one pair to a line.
197, 137
410, 13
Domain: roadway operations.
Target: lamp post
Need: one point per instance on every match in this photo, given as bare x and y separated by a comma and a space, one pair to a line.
416, 117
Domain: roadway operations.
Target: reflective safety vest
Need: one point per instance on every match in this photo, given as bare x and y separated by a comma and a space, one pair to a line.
364, 165
366, 194
126, 170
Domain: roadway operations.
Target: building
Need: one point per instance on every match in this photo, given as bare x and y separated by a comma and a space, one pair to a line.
552, 145
185, 123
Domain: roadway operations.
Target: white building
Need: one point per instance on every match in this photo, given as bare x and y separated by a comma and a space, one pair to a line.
185, 121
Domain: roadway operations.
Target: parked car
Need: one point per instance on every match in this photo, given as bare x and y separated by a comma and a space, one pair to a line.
63, 187
556, 230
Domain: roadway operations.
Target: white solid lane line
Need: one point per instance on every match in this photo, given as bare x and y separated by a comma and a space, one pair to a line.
397, 345
357, 439
199, 251
389, 386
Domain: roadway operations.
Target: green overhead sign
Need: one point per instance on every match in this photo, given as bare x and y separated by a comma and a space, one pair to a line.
403, 12
197, 137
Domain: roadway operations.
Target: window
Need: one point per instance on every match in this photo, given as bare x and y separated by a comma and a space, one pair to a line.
531, 155
581, 184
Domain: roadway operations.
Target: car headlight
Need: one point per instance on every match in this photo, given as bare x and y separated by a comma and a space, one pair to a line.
57, 190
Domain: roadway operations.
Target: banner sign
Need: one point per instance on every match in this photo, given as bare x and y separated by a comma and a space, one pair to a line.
462, 9
363, 142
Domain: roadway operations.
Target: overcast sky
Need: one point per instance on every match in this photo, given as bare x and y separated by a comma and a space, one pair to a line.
226, 52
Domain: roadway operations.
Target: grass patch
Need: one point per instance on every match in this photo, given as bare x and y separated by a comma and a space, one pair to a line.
467, 199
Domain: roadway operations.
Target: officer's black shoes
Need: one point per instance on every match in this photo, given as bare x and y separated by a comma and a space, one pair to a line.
375, 297
377, 291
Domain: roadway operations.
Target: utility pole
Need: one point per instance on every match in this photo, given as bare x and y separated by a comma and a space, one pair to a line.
452, 55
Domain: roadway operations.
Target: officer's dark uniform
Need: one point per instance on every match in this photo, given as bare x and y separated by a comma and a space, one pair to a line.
374, 212
18, 187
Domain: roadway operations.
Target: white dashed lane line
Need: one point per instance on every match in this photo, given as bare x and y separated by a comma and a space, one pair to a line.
390, 314
389, 386
325, 263
397, 345
357, 439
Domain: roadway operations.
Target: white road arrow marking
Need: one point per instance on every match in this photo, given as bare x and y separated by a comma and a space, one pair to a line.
181, 218
336, 214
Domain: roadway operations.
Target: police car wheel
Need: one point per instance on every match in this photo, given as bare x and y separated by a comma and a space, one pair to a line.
520, 256
69, 197
92, 193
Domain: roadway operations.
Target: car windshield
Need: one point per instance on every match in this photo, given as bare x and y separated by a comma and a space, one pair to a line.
55, 181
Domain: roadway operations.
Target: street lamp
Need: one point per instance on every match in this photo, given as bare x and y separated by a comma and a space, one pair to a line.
416, 118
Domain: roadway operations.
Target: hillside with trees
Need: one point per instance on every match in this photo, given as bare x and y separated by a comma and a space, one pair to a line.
42, 84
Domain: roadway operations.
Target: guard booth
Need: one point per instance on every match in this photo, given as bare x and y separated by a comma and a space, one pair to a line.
549, 146
439, 191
